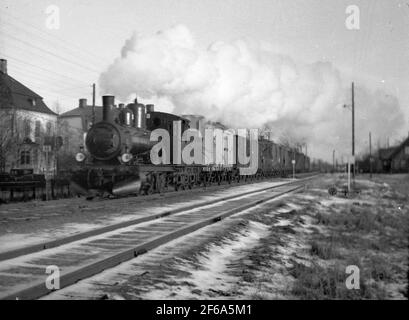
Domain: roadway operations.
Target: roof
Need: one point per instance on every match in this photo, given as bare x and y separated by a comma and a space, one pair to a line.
389, 153
85, 114
386, 153
400, 147
21, 97
83, 111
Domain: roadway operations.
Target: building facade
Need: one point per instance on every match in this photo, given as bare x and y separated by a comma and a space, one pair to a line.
28, 128
72, 127
393, 159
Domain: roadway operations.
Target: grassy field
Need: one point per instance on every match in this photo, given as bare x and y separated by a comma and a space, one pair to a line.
368, 229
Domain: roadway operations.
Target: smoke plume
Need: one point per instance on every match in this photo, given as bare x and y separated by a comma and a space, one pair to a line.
245, 85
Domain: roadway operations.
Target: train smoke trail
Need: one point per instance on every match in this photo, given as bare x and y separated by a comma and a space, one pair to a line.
244, 84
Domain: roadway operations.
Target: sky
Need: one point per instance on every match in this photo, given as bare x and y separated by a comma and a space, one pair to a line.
61, 64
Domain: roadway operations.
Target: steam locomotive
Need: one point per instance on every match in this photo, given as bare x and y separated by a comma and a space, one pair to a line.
116, 158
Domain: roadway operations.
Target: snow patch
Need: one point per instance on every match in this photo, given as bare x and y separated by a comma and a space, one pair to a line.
282, 223
209, 272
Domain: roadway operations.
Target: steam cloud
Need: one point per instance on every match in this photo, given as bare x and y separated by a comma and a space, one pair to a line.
246, 85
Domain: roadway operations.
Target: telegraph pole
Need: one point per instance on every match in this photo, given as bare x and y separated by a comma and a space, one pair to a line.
333, 160
93, 104
353, 130
370, 155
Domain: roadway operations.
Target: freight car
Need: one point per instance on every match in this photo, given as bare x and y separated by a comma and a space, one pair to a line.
116, 158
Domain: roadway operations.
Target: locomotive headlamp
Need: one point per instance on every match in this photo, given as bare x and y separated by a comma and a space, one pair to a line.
126, 157
80, 157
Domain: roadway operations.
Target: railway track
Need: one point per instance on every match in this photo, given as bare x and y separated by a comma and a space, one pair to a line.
23, 271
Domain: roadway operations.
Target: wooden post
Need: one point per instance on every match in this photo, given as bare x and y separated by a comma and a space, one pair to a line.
349, 176
370, 155
93, 104
353, 130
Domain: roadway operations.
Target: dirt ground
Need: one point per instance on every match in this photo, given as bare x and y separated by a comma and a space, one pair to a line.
297, 247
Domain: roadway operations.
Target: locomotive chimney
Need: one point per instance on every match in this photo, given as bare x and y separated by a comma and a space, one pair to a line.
108, 105
83, 103
3, 66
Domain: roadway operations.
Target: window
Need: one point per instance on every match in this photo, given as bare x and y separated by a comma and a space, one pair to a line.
27, 127
407, 150
48, 126
32, 101
38, 129
25, 157
66, 143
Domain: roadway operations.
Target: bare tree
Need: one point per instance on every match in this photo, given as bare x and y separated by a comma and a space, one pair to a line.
290, 142
6, 136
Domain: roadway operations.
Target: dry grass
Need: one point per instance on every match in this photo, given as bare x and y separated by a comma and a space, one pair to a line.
323, 250
372, 236
318, 283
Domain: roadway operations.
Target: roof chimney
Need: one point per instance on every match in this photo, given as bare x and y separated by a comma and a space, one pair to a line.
83, 103
3, 66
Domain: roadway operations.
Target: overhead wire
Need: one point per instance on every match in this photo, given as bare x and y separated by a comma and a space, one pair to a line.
42, 68
52, 54
68, 44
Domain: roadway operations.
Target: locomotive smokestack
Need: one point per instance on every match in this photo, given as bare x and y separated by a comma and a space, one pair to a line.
108, 105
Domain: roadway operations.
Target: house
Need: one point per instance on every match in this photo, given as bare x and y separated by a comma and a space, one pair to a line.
388, 160
72, 127
400, 157
27, 128
394, 159
384, 163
